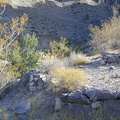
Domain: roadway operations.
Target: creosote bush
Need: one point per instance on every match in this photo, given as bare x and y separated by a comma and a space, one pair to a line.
107, 36
9, 45
69, 78
23, 56
60, 49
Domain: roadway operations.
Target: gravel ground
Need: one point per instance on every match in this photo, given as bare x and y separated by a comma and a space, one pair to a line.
102, 77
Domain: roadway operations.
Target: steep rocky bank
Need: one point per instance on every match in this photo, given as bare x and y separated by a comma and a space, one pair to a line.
33, 97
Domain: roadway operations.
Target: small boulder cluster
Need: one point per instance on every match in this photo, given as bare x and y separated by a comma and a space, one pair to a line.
108, 58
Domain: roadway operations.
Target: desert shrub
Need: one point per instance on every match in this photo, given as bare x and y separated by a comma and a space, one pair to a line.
107, 36
77, 59
4, 2
69, 78
60, 49
9, 32
24, 56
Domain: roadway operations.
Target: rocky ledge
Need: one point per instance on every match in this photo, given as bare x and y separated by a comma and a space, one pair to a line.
87, 98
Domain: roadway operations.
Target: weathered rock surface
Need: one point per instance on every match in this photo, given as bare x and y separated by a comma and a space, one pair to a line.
75, 97
96, 94
83, 101
23, 117
21, 108
111, 58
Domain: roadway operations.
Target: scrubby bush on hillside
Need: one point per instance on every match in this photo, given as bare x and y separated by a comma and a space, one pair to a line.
24, 56
107, 36
60, 49
9, 33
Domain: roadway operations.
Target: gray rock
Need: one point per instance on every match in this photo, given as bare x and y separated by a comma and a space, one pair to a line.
40, 84
112, 68
16, 83
5, 90
75, 97
45, 80
117, 95
112, 107
102, 62
25, 78
97, 94
80, 110
58, 104
81, 66
21, 108
42, 76
95, 105
111, 59
37, 75
23, 117
33, 88
31, 84
35, 79
31, 78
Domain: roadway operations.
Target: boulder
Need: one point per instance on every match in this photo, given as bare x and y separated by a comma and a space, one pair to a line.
25, 78
112, 68
58, 104
75, 97
95, 105
33, 88
98, 94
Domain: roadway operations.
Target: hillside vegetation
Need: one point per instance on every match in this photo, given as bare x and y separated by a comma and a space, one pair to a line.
53, 52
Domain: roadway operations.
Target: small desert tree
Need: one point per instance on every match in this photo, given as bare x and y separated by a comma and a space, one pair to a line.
8, 34
22, 55
60, 49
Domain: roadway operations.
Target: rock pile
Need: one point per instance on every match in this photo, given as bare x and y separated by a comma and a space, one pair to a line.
34, 80
86, 98
96, 98
108, 58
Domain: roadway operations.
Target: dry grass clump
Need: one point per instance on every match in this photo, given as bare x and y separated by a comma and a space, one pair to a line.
77, 59
69, 78
52, 62
4, 2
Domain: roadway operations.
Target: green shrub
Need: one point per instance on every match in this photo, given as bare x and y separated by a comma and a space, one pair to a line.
60, 49
24, 56
107, 36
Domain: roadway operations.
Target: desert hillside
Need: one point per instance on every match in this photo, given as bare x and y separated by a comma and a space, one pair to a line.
59, 60
52, 19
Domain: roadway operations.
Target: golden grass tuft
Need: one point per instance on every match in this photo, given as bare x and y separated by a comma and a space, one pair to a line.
77, 59
81, 61
4, 2
70, 78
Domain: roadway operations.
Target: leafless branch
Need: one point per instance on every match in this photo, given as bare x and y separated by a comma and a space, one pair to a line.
4, 7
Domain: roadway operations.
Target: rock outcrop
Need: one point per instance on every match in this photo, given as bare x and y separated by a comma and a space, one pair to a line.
108, 58
80, 101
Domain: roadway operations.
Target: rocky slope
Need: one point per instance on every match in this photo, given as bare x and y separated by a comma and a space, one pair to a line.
52, 19
33, 97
